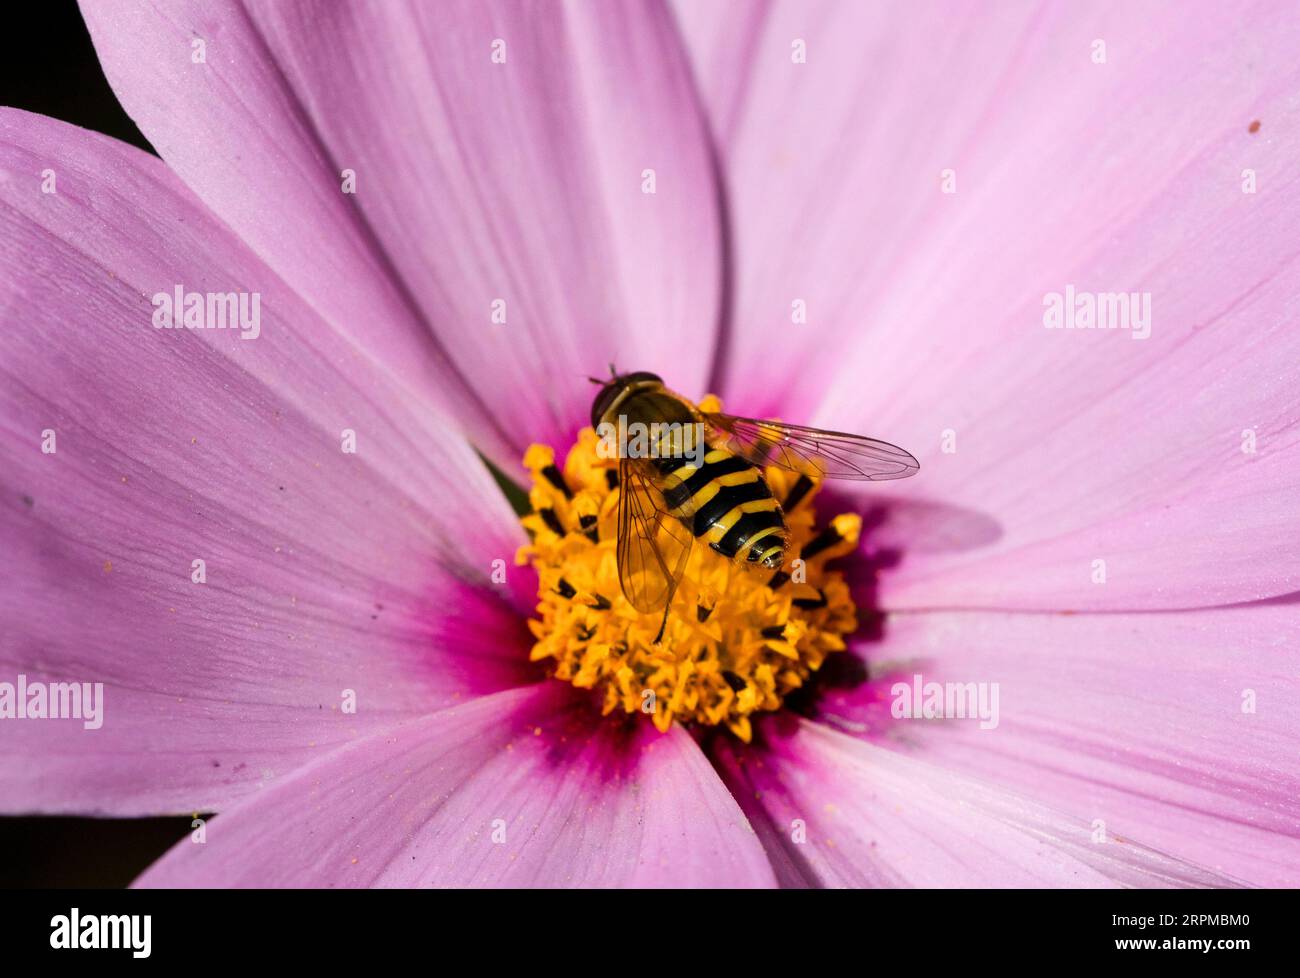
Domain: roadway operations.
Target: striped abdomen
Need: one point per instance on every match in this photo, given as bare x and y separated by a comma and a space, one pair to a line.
727, 504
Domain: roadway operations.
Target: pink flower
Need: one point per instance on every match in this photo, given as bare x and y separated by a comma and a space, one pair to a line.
1104, 528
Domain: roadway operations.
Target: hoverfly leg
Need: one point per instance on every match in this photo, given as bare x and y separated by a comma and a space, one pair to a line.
663, 624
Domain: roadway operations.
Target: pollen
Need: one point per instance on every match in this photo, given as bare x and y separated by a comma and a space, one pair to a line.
738, 639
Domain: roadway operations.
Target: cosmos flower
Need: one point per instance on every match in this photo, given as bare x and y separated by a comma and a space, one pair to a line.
286, 561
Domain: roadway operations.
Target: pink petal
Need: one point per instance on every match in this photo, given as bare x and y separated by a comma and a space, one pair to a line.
845, 813
925, 309
522, 788
325, 571
476, 181
1179, 730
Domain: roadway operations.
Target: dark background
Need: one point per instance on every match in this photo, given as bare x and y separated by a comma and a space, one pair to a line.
47, 65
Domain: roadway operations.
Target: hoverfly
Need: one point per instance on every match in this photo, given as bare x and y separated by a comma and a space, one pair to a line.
700, 475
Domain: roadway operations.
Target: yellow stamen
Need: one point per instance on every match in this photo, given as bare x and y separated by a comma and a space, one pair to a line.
733, 646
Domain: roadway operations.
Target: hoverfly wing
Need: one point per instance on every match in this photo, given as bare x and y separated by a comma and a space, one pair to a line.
652, 546
809, 451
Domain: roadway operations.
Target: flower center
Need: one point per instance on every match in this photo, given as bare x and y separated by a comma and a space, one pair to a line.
738, 639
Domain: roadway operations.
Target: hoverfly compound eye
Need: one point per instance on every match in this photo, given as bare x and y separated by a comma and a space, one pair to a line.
641, 376
604, 398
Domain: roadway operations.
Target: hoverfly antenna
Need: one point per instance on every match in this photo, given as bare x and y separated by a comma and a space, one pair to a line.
597, 381
613, 374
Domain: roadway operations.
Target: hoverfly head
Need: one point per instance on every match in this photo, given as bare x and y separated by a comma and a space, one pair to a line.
612, 389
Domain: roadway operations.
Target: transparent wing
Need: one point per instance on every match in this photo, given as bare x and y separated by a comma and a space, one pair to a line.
652, 546
809, 451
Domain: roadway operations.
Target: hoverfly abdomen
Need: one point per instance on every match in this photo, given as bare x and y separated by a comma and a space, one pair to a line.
726, 502
744, 522
692, 484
